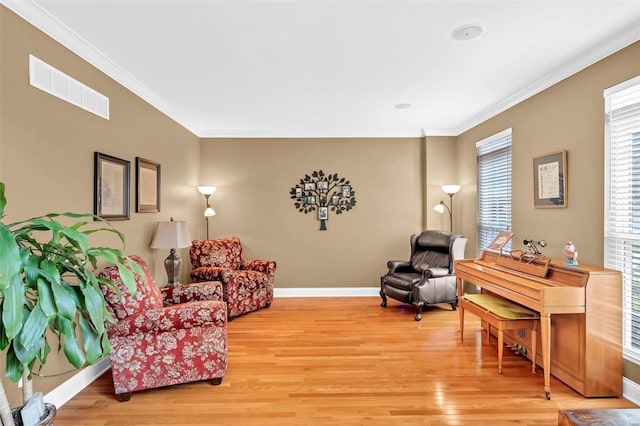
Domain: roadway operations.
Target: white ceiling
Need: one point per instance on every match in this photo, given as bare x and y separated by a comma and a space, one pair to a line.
335, 68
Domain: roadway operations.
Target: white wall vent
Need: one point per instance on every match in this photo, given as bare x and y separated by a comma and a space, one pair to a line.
53, 81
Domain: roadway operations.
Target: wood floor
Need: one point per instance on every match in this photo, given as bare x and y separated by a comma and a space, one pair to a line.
346, 361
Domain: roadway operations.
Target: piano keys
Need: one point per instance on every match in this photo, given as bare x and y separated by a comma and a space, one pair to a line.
580, 317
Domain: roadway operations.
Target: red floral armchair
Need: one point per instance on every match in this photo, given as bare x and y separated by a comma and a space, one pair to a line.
163, 338
247, 284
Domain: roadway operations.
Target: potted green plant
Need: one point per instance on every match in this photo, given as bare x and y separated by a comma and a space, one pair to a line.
48, 282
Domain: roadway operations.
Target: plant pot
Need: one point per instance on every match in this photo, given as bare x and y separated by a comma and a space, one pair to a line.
46, 419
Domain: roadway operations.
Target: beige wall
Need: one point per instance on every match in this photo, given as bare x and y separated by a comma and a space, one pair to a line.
568, 116
441, 170
47, 149
254, 177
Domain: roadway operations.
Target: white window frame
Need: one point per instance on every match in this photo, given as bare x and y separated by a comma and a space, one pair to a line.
498, 138
621, 233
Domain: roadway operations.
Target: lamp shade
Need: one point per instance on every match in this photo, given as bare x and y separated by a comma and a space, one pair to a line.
208, 212
206, 189
451, 189
439, 208
172, 234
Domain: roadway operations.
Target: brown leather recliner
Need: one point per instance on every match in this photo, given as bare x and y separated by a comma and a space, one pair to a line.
428, 277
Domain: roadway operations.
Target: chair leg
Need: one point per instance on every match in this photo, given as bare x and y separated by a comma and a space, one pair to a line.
123, 397
216, 381
382, 295
418, 315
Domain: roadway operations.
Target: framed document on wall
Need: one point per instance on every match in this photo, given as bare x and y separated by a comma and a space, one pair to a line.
147, 186
111, 182
550, 180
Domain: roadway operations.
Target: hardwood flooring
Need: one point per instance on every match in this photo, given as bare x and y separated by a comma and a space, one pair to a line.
346, 361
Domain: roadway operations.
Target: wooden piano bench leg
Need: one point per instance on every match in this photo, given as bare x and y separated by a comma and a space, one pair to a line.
500, 347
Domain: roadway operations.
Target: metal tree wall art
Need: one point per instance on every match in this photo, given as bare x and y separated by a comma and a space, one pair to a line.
322, 193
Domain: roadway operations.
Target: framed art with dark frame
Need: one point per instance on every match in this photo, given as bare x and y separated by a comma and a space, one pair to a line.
111, 187
147, 186
550, 180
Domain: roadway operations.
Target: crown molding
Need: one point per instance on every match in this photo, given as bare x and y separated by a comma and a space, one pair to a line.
624, 38
42, 20
310, 133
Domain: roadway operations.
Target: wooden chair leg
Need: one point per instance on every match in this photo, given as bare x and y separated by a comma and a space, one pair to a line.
123, 397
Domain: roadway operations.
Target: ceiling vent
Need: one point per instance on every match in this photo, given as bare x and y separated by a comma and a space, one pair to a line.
53, 81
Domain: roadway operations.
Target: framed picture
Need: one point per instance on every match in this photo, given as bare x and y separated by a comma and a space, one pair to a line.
111, 187
310, 199
309, 186
323, 213
147, 186
298, 192
335, 200
323, 185
346, 190
550, 180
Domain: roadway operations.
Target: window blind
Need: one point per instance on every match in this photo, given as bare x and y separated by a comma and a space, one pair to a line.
494, 187
622, 203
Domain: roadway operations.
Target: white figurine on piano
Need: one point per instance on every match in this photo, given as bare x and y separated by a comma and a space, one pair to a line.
571, 254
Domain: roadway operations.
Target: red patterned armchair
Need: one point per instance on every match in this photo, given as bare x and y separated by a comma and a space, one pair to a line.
163, 338
247, 284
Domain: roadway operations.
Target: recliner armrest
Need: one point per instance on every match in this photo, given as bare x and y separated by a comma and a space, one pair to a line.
399, 266
259, 265
185, 293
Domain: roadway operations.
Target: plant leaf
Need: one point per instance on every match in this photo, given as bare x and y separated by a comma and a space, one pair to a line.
12, 307
91, 340
3, 199
64, 301
11, 261
71, 348
14, 367
94, 305
45, 299
28, 342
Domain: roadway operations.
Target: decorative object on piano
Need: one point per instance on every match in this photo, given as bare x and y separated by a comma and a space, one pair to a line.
500, 241
533, 246
321, 192
530, 261
571, 254
550, 180
451, 190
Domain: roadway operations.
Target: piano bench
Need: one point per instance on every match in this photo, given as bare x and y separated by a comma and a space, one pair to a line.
503, 315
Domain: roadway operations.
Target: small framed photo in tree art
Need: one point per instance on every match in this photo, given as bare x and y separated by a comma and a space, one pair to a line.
323, 213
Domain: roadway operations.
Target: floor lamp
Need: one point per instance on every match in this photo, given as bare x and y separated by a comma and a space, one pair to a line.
451, 190
207, 190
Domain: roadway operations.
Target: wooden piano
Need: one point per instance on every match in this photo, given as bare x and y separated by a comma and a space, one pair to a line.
580, 317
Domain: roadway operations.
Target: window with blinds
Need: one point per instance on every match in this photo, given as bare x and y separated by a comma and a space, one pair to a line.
622, 203
494, 188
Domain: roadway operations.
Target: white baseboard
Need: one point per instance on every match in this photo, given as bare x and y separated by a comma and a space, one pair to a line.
327, 292
70, 388
631, 390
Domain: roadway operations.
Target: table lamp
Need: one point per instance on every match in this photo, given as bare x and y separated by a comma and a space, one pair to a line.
171, 235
